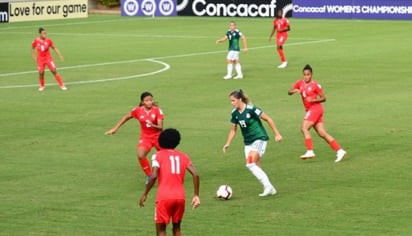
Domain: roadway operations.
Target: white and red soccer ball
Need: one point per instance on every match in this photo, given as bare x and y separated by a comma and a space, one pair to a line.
224, 192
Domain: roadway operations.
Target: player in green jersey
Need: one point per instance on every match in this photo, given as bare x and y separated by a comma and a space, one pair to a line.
249, 117
233, 35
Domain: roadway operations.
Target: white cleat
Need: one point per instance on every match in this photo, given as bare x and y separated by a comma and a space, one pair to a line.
64, 88
308, 155
41, 89
268, 191
227, 77
283, 65
238, 77
340, 155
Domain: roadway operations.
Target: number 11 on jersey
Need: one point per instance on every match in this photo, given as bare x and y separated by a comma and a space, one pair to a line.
174, 164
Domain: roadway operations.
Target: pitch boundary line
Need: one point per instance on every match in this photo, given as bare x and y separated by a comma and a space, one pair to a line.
165, 68
165, 57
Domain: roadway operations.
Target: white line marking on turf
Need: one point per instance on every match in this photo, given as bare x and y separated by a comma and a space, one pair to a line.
154, 59
164, 57
165, 68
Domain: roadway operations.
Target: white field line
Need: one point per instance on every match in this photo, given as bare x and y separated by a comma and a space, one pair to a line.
165, 68
164, 57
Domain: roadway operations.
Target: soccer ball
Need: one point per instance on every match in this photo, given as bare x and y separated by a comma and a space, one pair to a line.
224, 192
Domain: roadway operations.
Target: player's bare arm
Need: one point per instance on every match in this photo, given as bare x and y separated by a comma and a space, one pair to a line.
230, 137
272, 125
293, 91
33, 54
149, 185
221, 40
272, 33
58, 53
196, 186
119, 124
319, 99
245, 48
159, 125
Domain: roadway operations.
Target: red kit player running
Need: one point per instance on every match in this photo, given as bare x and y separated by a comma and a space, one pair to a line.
151, 118
312, 97
43, 58
281, 27
169, 167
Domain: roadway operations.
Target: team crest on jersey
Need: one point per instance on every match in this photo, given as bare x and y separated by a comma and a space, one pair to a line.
141, 117
248, 116
153, 116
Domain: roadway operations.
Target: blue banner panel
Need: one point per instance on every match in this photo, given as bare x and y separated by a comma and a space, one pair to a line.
148, 8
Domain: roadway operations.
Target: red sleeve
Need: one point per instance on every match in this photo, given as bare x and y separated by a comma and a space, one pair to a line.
33, 44
319, 88
159, 114
51, 43
296, 85
134, 112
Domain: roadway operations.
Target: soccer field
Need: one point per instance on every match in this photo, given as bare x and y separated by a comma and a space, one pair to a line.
60, 175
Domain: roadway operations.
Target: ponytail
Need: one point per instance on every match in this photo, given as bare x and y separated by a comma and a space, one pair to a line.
239, 94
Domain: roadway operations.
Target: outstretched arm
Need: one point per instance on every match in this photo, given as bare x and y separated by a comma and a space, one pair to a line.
245, 48
221, 40
272, 125
58, 53
119, 124
230, 137
149, 185
293, 91
196, 185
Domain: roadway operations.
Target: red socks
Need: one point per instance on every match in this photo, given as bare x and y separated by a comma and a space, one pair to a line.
309, 144
41, 81
282, 55
144, 163
334, 145
59, 80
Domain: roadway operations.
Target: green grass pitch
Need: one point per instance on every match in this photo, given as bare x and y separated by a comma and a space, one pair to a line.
59, 175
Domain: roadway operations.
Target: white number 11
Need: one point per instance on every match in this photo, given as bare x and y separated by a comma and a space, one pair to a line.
175, 164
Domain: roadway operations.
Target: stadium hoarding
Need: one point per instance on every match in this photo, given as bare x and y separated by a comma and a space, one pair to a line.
18, 11
230, 8
353, 9
148, 7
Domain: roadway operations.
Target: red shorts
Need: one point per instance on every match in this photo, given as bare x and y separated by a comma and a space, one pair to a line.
281, 39
41, 64
148, 143
315, 115
169, 209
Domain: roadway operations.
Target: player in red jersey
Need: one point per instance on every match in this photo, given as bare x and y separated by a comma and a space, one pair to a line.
281, 27
169, 168
150, 118
312, 97
44, 58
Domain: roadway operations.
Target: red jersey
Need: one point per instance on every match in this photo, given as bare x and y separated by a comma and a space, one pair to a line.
309, 90
281, 24
172, 166
42, 47
143, 116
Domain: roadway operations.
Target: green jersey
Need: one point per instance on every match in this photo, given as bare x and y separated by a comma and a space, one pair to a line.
250, 124
234, 37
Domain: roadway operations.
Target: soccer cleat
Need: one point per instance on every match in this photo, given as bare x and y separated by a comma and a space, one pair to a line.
41, 88
64, 88
238, 77
227, 77
268, 191
308, 155
283, 65
340, 155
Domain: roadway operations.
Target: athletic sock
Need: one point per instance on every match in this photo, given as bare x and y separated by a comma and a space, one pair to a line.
334, 145
59, 80
144, 163
281, 55
309, 144
41, 81
259, 174
238, 68
229, 69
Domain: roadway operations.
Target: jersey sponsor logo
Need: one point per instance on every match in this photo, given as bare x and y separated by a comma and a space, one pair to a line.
4, 12
243, 8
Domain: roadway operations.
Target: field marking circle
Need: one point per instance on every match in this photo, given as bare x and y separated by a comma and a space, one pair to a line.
164, 64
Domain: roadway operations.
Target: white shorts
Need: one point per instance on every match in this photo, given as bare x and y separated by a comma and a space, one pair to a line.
233, 55
257, 146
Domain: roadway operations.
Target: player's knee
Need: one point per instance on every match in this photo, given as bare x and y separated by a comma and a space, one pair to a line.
250, 165
280, 47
